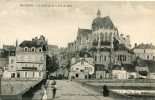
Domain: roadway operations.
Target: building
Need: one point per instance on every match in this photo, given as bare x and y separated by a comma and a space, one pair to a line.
100, 72
118, 72
82, 69
31, 58
145, 51
104, 43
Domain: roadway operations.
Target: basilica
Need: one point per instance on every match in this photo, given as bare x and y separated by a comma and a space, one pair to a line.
107, 46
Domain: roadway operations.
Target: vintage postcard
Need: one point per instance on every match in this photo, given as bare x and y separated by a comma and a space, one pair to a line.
77, 50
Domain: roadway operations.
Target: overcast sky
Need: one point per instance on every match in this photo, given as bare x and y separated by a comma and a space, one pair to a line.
60, 24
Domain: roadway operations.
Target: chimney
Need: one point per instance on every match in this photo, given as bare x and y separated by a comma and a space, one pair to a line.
135, 44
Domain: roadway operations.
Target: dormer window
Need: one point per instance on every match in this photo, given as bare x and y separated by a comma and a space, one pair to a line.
12, 54
26, 49
33, 49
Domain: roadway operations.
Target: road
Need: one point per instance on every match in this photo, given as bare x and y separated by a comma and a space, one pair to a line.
68, 90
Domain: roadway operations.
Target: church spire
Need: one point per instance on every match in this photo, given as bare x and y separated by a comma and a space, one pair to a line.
98, 13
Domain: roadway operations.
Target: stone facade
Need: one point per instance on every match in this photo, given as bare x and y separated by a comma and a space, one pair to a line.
104, 42
81, 70
145, 51
31, 58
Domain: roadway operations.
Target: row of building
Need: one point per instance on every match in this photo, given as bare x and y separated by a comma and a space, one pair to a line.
106, 49
27, 59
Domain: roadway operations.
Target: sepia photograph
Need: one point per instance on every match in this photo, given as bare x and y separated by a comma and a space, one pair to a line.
77, 50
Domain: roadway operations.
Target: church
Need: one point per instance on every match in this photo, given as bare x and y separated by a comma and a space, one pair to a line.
104, 42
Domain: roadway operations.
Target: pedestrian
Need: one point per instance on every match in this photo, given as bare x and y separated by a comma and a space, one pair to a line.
45, 94
54, 87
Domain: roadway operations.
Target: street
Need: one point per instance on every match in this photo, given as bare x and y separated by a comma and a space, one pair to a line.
68, 90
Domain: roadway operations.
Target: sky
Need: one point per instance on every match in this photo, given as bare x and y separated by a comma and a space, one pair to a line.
60, 24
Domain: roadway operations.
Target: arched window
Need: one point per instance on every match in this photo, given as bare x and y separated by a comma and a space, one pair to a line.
33, 49
26, 49
12, 54
106, 36
100, 59
105, 58
95, 57
118, 58
40, 49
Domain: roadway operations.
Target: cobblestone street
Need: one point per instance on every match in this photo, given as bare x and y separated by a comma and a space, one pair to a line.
68, 90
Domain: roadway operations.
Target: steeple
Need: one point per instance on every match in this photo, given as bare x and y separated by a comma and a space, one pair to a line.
98, 13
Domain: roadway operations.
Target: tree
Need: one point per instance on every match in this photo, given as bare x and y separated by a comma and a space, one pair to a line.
51, 63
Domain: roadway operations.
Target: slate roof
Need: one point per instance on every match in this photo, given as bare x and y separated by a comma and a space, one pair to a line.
82, 54
81, 60
129, 67
103, 22
150, 64
116, 67
30, 44
84, 31
144, 46
99, 67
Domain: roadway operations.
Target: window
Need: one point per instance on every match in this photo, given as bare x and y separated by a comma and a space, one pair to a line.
125, 58
12, 75
33, 49
144, 51
39, 74
33, 74
106, 36
18, 75
40, 50
12, 61
148, 57
104, 58
25, 74
153, 57
118, 58
12, 54
25, 49
11, 66
100, 58
77, 75
95, 57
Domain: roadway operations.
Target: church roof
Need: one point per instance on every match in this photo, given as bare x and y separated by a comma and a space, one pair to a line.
84, 32
122, 47
103, 22
144, 46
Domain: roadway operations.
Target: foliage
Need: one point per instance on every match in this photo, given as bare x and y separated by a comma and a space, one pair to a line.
51, 63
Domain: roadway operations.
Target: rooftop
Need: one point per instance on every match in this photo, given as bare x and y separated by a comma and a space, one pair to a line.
144, 46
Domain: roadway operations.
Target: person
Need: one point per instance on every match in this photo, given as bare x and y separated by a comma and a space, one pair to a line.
45, 94
54, 86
